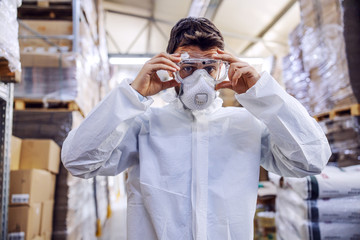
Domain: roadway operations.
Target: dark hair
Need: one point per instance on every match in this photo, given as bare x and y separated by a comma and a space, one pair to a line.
199, 32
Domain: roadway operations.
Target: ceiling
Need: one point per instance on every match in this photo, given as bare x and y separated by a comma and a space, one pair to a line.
256, 28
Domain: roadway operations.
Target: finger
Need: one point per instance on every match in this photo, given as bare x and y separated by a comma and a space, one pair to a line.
235, 66
226, 84
176, 57
173, 57
160, 66
170, 84
237, 75
231, 72
225, 56
164, 60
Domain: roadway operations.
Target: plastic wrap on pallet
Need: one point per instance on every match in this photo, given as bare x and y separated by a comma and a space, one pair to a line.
52, 83
351, 22
48, 77
53, 125
343, 134
103, 50
89, 51
9, 44
333, 182
297, 229
323, 55
326, 206
295, 78
74, 216
59, 77
91, 16
318, 210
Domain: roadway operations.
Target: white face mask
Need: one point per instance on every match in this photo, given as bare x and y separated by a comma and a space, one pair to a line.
198, 90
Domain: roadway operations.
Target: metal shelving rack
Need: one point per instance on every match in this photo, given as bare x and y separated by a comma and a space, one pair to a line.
6, 105
6, 116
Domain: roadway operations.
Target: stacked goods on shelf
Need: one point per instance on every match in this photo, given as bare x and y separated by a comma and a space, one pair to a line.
324, 206
343, 134
32, 188
323, 56
64, 58
351, 10
9, 45
57, 65
74, 211
15, 153
295, 78
264, 220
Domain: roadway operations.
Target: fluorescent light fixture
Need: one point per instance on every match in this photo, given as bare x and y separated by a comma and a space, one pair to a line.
128, 60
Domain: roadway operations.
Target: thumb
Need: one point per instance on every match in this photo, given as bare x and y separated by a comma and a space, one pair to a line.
170, 84
226, 84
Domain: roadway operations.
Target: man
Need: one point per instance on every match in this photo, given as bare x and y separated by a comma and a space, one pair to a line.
193, 164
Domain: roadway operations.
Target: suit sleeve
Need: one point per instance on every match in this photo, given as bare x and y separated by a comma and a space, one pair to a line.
292, 144
106, 141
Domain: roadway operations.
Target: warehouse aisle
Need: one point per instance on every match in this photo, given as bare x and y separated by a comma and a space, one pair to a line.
115, 227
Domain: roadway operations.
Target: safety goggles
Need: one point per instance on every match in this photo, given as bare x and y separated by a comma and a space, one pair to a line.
217, 69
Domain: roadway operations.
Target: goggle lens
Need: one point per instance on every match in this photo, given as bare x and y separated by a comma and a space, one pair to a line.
217, 69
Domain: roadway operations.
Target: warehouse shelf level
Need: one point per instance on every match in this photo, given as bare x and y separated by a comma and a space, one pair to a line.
48, 105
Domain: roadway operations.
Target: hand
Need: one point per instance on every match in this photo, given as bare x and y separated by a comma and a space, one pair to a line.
147, 82
242, 76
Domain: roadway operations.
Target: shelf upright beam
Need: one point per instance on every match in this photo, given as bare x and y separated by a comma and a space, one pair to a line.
76, 23
6, 114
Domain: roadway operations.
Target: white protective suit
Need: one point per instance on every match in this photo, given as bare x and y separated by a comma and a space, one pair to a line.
194, 175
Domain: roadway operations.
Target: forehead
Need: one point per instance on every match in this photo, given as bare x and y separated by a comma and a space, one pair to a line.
196, 52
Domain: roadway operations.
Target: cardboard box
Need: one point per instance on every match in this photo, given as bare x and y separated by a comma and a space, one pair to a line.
31, 186
46, 219
15, 153
48, 59
40, 154
45, 28
25, 219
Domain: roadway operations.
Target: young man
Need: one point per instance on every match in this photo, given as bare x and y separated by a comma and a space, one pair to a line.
193, 164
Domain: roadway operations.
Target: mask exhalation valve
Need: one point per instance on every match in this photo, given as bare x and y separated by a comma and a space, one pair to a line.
201, 98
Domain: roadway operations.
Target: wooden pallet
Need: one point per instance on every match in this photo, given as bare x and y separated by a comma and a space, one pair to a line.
6, 75
353, 110
49, 105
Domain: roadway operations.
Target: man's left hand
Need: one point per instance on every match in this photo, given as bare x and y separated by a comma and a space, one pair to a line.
242, 76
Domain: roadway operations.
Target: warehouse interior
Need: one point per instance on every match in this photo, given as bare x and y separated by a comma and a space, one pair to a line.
60, 58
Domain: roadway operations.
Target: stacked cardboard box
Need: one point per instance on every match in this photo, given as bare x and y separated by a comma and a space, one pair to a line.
74, 211
15, 153
32, 188
264, 220
325, 206
323, 57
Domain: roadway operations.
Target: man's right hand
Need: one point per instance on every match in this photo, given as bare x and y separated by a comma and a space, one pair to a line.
147, 83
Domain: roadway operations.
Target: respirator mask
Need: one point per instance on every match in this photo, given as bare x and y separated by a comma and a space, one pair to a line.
198, 78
